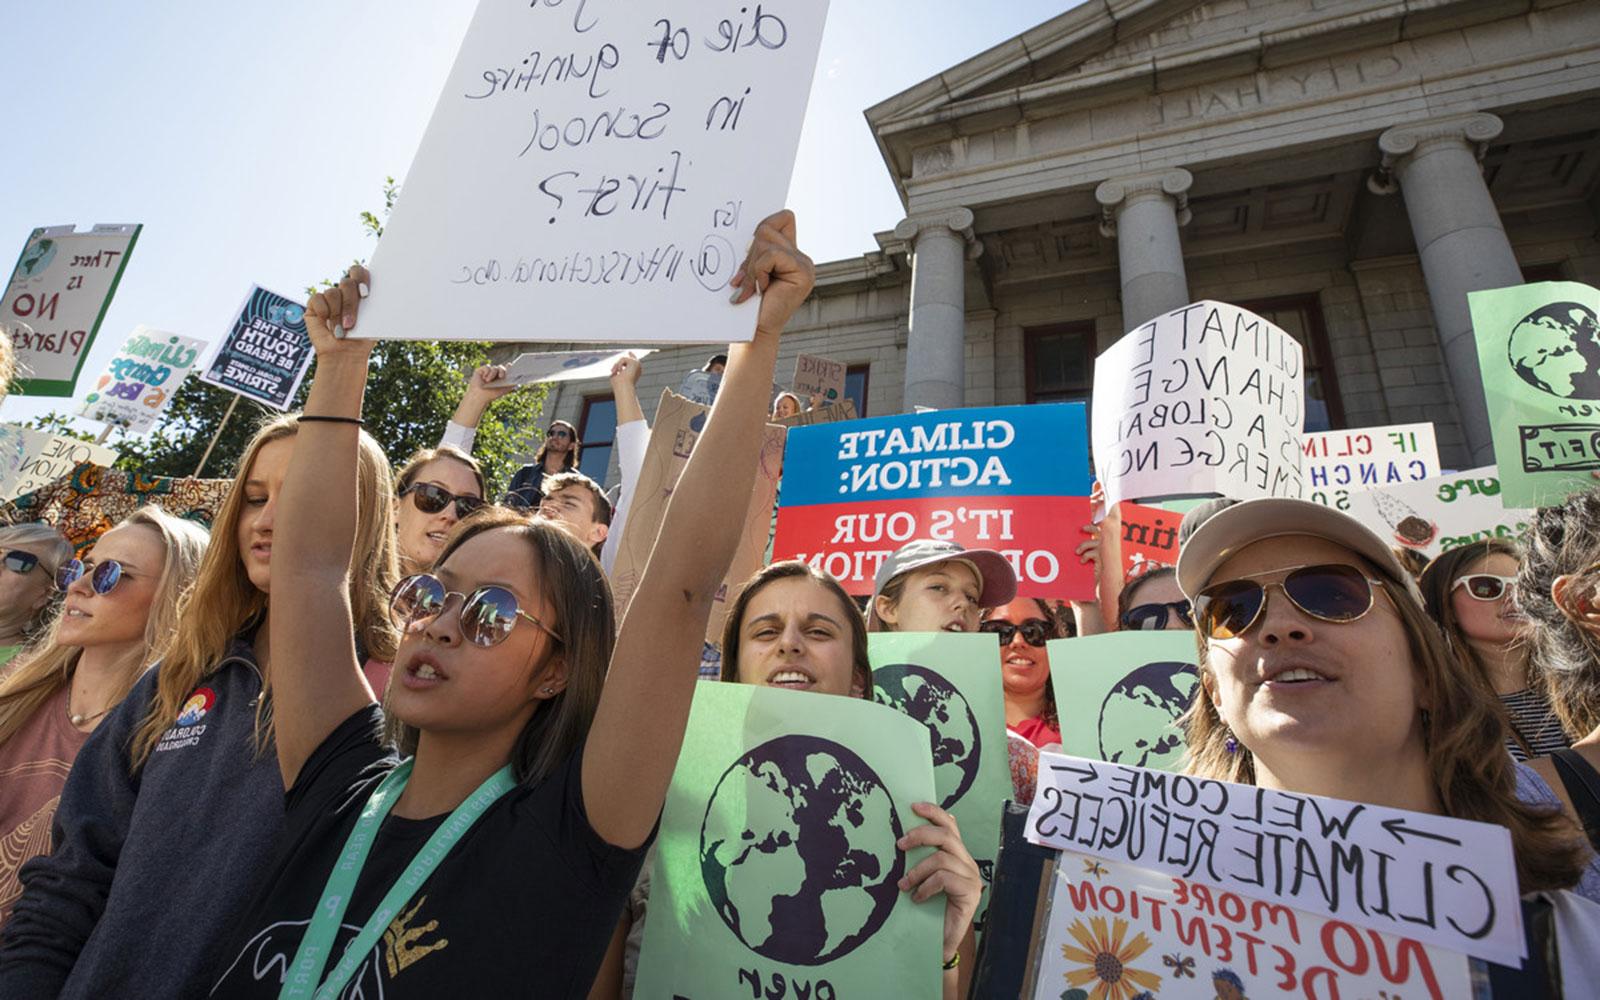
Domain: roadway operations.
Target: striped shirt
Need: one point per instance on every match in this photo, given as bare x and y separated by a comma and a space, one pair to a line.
1533, 720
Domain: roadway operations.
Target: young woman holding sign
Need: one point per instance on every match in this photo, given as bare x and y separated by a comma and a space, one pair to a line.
495, 860
181, 776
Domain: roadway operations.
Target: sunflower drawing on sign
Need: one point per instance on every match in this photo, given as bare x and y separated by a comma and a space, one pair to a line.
1107, 957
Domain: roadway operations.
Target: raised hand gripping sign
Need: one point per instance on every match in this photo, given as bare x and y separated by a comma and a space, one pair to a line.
592, 169
1442, 881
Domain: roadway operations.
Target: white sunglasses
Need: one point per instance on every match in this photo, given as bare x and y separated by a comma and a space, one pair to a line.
1485, 586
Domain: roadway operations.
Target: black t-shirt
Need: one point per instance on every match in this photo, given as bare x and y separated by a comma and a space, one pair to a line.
523, 906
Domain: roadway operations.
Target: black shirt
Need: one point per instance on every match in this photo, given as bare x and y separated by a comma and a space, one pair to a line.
523, 906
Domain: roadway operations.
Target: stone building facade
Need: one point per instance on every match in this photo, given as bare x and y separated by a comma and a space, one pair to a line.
1348, 168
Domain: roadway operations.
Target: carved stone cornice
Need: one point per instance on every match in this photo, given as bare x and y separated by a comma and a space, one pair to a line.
1117, 192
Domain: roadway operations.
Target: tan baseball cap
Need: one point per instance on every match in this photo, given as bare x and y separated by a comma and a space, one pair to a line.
997, 581
1227, 531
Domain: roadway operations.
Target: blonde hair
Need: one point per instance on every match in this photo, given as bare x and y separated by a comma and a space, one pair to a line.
47, 668
1464, 739
224, 601
54, 551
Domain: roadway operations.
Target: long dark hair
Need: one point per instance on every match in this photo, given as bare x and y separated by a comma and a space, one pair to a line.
571, 580
1056, 626
573, 453
794, 569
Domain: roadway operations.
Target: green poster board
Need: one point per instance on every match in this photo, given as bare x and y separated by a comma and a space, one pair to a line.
951, 684
1120, 696
1539, 350
776, 864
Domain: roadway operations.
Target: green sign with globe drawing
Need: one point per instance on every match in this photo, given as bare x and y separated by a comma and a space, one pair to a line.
777, 868
1539, 348
951, 684
1120, 696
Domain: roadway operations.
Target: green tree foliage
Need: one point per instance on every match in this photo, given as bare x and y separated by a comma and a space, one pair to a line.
412, 391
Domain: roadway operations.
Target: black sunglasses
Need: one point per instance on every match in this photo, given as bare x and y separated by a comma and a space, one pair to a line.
487, 616
558, 432
103, 578
1330, 593
431, 499
1034, 632
1154, 617
20, 561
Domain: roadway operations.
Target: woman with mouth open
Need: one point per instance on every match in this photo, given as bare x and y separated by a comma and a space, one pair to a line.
494, 861
434, 490
930, 586
794, 627
1321, 673
120, 605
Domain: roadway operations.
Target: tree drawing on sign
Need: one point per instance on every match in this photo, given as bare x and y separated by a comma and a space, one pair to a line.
798, 850
933, 701
1556, 348
1138, 719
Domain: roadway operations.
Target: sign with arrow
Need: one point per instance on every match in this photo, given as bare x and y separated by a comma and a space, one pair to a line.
1441, 881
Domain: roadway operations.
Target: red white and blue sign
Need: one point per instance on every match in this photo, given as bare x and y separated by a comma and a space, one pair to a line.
1011, 478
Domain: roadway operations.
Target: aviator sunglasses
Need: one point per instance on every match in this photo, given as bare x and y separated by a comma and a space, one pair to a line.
431, 499
1330, 593
103, 578
488, 614
20, 561
1154, 617
1485, 586
1034, 632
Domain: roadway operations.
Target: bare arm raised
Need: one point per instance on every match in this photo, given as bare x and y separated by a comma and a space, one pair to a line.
633, 744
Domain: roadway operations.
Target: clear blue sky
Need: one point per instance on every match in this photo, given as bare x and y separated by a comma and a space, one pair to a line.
248, 137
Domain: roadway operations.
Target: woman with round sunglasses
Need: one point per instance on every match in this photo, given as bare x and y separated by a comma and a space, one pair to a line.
436, 488
1152, 601
121, 603
181, 776
30, 554
1024, 626
1321, 673
1467, 590
496, 858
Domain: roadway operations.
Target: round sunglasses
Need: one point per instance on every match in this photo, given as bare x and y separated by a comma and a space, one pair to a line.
431, 499
487, 615
1485, 586
103, 578
1034, 632
1154, 617
20, 561
1330, 593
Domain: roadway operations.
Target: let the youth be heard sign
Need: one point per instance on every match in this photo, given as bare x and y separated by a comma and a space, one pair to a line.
267, 352
1010, 478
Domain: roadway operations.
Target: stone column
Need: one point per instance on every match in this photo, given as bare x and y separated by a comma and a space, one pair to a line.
1461, 243
1143, 212
936, 349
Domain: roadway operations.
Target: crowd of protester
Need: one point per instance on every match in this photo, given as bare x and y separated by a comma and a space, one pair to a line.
219, 752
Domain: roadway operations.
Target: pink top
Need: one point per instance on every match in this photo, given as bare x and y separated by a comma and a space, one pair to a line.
33, 769
1037, 731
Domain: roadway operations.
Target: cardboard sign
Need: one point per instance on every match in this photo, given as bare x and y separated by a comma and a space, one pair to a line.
1209, 398
267, 352
677, 428
58, 294
590, 170
1339, 463
1149, 538
141, 380
1010, 478
1112, 924
1539, 352
1121, 694
1448, 882
777, 862
31, 459
565, 366
844, 409
1447, 512
814, 376
951, 685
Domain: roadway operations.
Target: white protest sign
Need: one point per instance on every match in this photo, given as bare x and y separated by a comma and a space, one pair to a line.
1182, 940
1441, 513
595, 172
565, 366
1209, 398
30, 459
1339, 463
141, 379
1443, 881
56, 298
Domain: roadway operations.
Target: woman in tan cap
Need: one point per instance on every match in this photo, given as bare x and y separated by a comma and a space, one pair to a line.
929, 586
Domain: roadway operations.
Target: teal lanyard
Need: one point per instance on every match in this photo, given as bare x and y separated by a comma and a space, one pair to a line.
312, 956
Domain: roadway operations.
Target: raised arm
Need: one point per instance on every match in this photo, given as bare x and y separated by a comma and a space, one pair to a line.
484, 386
633, 744
316, 679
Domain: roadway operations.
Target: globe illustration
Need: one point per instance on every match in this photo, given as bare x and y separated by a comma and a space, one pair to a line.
1556, 348
1137, 716
952, 728
798, 852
